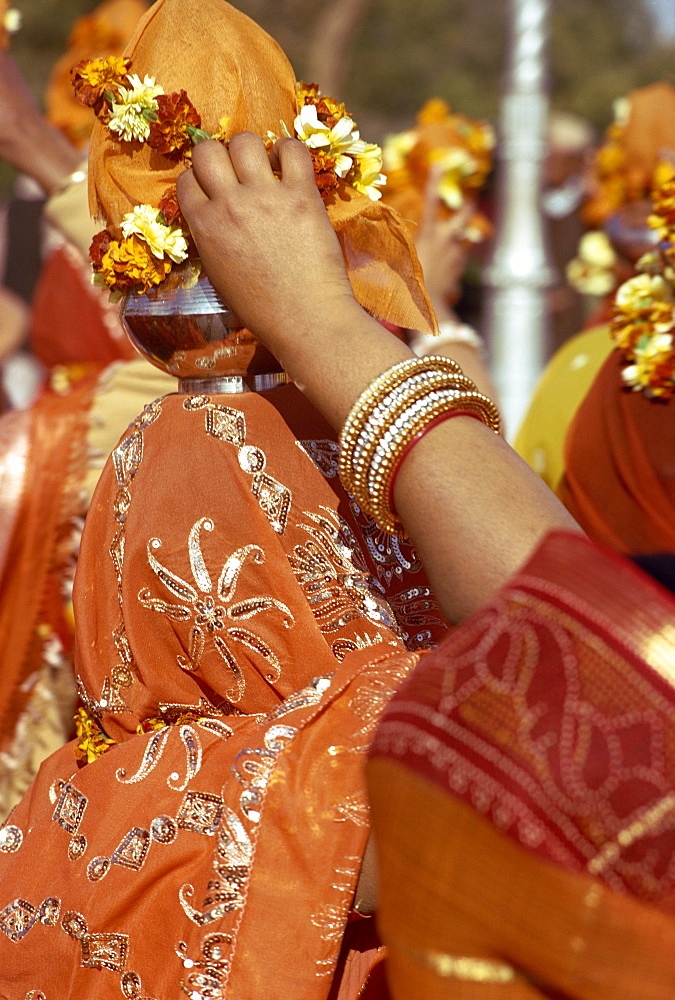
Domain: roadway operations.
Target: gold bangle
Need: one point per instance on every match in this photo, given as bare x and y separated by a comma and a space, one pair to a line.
377, 391
389, 415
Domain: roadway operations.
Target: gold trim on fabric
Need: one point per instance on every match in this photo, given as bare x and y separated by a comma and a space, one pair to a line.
657, 649
636, 830
462, 967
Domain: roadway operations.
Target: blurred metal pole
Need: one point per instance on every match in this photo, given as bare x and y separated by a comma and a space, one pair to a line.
520, 271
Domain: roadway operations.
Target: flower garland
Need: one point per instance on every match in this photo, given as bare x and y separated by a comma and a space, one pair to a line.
93, 741
153, 239
458, 148
643, 319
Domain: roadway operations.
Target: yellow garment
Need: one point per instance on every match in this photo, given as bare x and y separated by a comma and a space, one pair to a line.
566, 380
124, 389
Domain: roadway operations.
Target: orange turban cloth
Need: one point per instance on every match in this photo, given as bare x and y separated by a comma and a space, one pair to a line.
619, 480
650, 131
104, 32
252, 83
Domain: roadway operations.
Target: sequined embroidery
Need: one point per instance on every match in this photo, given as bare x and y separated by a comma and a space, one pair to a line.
70, 808
208, 618
336, 590
11, 839
229, 426
331, 917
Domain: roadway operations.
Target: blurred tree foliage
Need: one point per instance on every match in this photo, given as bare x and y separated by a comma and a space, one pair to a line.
386, 57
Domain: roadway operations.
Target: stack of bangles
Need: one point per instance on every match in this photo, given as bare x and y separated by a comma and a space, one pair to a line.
391, 416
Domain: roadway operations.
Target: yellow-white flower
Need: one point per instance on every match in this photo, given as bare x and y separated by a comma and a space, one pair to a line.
12, 21
160, 238
595, 249
342, 141
453, 166
127, 116
642, 291
647, 357
367, 174
396, 149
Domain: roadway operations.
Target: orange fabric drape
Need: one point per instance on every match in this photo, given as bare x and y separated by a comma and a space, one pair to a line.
64, 291
619, 480
522, 786
229, 593
43, 510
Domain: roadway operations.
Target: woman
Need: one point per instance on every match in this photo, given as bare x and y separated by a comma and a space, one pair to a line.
467, 899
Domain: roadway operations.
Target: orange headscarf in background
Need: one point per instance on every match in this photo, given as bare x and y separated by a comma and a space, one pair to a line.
250, 81
619, 480
104, 32
626, 162
458, 148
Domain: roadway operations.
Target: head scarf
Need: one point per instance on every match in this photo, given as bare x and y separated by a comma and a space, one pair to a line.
619, 480
250, 81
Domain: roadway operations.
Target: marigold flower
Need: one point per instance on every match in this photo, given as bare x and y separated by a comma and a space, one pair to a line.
92, 742
135, 108
170, 133
654, 367
143, 221
663, 201
324, 171
170, 209
329, 111
93, 77
99, 247
129, 263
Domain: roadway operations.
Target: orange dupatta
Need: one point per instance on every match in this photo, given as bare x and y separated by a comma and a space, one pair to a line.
239, 628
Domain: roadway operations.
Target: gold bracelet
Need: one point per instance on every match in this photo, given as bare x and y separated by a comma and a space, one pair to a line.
387, 418
389, 414
376, 392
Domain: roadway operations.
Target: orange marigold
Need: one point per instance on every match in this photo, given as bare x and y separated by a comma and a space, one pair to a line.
170, 134
170, 209
129, 263
99, 247
324, 172
92, 77
663, 201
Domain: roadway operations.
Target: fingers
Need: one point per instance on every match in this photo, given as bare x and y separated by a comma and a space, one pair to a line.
292, 158
250, 160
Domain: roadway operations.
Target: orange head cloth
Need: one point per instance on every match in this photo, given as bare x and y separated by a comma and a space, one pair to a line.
250, 81
649, 135
619, 480
104, 32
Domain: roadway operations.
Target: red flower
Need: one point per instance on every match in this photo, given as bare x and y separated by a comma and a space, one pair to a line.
170, 133
99, 246
93, 77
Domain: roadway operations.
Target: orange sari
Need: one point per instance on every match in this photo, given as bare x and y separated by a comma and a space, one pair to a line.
240, 625
522, 791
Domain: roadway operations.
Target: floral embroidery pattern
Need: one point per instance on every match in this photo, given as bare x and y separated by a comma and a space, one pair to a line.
336, 590
209, 619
